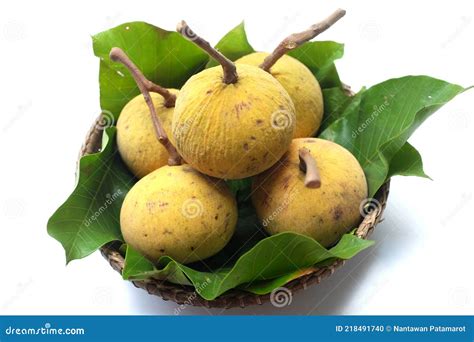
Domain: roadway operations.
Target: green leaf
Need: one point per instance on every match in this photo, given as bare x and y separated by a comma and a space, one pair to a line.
241, 188
346, 248
328, 77
319, 57
266, 286
236, 185
135, 263
407, 162
248, 233
164, 57
90, 216
388, 114
233, 45
337, 104
272, 257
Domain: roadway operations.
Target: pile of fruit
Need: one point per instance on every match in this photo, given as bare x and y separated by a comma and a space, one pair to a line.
248, 174
252, 118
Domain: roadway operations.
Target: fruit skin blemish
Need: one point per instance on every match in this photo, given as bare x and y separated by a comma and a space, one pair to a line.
231, 121
174, 210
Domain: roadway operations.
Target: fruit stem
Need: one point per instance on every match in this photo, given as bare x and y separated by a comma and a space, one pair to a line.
308, 165
145, 86
230, 71
296, 39
117, 55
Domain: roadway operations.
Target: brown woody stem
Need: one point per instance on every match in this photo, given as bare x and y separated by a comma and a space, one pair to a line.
230, 71
145, 86
293, 41
309, 166
117, 55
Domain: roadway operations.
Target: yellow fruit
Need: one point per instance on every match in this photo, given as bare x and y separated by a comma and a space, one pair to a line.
177, 211
233, 130
283, 203
136, 138
302, 87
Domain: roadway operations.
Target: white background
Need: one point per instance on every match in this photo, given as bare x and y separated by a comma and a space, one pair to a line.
422, 261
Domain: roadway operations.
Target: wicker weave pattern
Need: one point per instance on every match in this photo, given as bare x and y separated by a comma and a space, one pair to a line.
234, 298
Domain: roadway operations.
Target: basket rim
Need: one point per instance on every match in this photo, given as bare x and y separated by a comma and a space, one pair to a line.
186, 295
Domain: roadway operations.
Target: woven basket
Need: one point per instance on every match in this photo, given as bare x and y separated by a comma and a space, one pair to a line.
182, 294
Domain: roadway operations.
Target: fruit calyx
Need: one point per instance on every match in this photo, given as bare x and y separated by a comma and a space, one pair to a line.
230, 71
145, 86
308, 165
296, 39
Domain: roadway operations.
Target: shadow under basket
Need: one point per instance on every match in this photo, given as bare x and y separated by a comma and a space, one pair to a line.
182, 294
